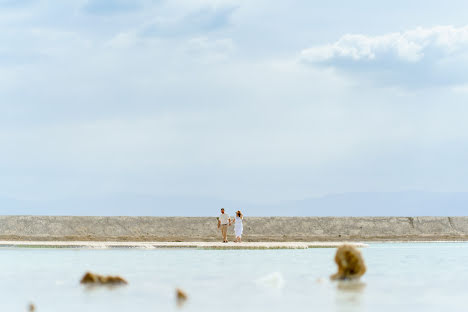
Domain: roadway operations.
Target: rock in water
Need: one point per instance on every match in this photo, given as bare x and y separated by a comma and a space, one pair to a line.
96, 279
350, 263
273, 280
181, 297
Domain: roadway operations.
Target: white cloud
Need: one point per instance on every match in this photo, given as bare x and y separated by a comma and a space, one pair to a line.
408, 46
430, 55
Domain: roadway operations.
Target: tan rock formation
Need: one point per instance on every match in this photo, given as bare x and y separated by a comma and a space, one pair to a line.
96, 279
350, 263
181, 297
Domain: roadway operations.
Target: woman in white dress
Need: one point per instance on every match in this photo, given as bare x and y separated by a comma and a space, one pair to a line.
238, 226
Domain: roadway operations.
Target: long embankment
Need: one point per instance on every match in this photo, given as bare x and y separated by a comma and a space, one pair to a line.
187, 229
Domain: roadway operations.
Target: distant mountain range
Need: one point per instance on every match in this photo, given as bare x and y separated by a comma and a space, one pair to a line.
346, 204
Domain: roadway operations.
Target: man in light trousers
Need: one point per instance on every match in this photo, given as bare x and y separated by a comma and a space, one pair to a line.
223, 222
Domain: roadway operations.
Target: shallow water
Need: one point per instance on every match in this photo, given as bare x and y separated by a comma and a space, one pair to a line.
400, 277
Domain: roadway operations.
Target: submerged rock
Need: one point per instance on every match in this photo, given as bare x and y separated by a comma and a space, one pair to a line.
96, 279
181, 297
350, 263
273, 280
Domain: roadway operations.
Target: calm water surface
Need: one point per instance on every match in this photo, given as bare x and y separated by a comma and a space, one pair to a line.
400, 277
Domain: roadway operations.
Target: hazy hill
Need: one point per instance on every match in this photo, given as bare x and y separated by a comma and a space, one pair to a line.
347, 204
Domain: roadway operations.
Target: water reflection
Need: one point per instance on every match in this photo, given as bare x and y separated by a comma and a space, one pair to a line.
349, 295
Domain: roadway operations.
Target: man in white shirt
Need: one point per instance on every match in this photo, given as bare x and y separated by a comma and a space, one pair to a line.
223, 222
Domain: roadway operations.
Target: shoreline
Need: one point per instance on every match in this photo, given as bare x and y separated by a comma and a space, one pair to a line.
159, 245
198, 245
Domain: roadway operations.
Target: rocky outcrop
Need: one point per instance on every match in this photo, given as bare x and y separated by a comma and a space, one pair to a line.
96, 279
350, 263
181, 297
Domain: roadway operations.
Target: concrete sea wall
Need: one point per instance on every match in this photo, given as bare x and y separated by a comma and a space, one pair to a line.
280, 229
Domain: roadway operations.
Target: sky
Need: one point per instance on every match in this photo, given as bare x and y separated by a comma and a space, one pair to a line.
156, 107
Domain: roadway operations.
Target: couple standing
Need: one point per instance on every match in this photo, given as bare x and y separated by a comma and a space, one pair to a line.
224, 221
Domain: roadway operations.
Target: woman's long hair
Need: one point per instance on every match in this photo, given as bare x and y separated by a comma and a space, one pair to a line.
239, 214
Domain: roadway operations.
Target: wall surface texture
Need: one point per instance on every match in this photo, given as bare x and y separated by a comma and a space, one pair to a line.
255, 228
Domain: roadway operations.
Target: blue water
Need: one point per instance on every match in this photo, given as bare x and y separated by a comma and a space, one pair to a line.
400, 277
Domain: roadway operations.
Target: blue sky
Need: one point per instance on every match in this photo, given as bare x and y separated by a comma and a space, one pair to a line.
249, 103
